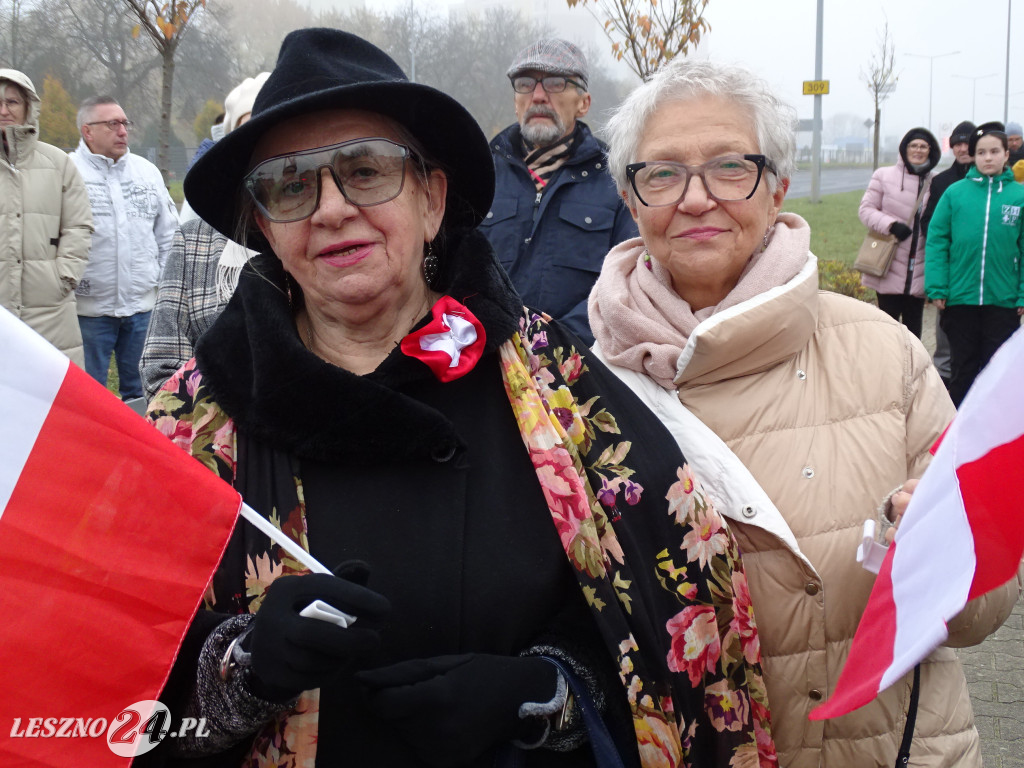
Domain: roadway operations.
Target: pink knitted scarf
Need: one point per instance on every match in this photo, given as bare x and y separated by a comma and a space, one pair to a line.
642, 324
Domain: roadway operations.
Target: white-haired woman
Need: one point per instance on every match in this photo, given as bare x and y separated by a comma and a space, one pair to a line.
714, 317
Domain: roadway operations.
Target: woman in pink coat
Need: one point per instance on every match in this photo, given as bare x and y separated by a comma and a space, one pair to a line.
886, 207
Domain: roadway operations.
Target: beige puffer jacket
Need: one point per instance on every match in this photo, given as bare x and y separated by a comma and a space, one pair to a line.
831, 405
45, 230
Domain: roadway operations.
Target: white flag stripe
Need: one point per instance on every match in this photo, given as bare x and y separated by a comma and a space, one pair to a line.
30, 377
278, 537
934, 529
993, 411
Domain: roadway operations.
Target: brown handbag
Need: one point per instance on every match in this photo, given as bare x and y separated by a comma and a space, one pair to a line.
876, 252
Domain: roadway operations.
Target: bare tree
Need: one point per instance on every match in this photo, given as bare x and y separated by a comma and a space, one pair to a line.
13, 19
104, 31
165, 25
647, 33
881, 78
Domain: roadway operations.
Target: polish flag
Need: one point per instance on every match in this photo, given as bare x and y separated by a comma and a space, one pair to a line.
109, 536
962, 536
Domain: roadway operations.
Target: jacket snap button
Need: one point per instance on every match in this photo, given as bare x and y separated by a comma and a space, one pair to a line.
588, 220
815, 694
526, 241
584, 173
443, 452
747, 511
808, 473
490, 214
811, 588
799, 374
598, 166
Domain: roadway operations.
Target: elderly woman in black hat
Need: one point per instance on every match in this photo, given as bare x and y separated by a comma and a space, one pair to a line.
525, 573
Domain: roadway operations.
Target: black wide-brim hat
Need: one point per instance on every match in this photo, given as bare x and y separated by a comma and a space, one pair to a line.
320, 69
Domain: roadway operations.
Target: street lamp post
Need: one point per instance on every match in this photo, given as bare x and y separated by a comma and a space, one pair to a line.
974, 89
931, 62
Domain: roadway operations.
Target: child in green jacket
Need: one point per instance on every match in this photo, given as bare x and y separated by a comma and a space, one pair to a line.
973, 258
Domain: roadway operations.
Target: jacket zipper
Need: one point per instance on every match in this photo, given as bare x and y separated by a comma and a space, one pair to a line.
984, 243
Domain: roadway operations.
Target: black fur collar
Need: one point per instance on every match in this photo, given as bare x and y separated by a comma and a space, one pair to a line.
277, 391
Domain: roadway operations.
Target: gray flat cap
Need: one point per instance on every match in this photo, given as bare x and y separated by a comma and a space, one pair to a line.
558, 57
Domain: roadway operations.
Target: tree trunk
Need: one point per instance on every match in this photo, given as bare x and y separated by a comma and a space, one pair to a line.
878, 118
165, 111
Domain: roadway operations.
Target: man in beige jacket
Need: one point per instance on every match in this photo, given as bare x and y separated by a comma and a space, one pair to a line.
45, 222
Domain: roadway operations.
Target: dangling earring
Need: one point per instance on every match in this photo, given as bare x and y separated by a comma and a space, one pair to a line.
288, 292
764, 241
430, 265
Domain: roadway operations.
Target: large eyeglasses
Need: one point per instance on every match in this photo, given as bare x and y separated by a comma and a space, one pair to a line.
726, 179
550, 84
12, 104
367, 171
113, 125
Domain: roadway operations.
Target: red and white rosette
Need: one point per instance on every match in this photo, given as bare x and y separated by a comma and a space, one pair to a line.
451, 343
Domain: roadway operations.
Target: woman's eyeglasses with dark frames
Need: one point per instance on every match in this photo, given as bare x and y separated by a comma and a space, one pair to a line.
727, 179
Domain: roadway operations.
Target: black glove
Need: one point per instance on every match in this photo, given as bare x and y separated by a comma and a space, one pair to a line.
451, 709
292, 653
901, 230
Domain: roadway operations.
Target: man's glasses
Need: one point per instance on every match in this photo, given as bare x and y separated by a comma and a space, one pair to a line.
367, 171
726, 179
113, 125
551, 84
12, 104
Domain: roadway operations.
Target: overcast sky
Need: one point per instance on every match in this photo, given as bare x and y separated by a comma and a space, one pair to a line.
777, 39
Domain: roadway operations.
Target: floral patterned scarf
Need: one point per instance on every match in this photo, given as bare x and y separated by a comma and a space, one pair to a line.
704, 701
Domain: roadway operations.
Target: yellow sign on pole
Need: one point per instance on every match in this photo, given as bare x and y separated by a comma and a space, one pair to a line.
815, 87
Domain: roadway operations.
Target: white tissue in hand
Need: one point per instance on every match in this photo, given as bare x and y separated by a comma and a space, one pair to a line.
870, 553
318, 609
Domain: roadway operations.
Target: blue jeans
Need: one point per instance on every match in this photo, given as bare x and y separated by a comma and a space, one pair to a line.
121, 336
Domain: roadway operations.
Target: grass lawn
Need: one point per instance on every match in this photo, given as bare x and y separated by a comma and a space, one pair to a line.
177, 193
836, 232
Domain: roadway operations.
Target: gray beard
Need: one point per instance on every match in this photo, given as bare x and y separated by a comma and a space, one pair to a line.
542, 134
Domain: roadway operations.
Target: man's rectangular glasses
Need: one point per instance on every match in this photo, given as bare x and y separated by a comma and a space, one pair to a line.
550, 84
367, 171
727, 178
113, 125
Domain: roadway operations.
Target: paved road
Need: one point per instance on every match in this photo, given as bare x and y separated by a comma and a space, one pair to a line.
994, 669
832, 180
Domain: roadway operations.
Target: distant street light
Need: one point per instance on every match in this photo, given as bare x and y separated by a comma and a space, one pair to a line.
931, 63
974, 89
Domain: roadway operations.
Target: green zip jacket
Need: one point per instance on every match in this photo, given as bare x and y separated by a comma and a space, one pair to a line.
975, 243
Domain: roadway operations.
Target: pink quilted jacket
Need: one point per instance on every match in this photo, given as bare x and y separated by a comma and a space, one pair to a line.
890, 197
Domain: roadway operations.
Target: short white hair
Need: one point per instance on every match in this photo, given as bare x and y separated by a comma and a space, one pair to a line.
682, 79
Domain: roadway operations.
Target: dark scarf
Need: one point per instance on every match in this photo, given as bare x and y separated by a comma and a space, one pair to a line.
544, 161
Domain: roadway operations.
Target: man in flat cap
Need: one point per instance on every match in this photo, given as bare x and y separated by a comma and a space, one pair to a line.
556, 212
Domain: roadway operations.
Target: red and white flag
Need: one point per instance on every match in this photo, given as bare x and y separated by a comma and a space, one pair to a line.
109, 536
961, 536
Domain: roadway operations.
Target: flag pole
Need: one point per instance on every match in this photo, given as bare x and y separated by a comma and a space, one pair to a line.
281, 539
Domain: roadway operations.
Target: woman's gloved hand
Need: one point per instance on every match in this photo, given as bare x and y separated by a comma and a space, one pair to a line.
292, 653
900, 230
451, 709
